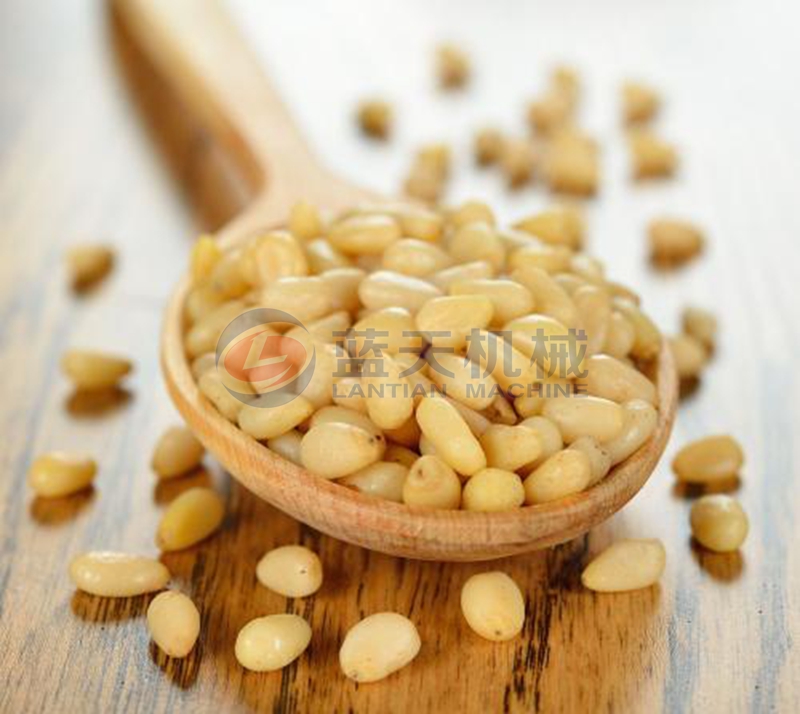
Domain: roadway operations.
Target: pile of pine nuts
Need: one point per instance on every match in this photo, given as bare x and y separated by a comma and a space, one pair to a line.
459, 430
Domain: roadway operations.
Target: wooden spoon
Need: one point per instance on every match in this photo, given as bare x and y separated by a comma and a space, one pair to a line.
193, 43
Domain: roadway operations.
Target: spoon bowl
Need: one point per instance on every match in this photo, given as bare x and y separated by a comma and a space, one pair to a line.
193, 44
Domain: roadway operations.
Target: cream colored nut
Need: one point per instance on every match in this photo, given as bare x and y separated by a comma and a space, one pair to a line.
641, 420
307, 298
419, 258
88, 370
651, 157
549, 436
110, 574
673, 242
452, 66
562, 225
510, 447
585, 416
563, 474
273, 256
493, 606
453, 318
288, 446
291, 570
640, 103
384, 288
613, 379
191, 517
572, 165
626, 565
322, 256
527, 335
177, 452
701, 325
305, 221
60, 473
267, 422
206, 254
431, 483
200, 303
518, 161
377, 646
719, 523
471, 212
690, 356
488, 146
424, 182
364, 235
227, 278
509, 299
477, 242
349, 392
330, 328
335, 450
382, 479
375, 118
500, 411
476, 270
647, 342
270, 643
549, 296
389, 400
211, 386
343, 415
205, 333
385, 330
407, 434
493, 490
319, 390
89, 264
452, 439
468, 384
599, 458
714, 458
621, 336
174, 623
594, 311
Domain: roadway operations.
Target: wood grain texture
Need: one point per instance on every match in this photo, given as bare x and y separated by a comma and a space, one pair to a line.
81, 156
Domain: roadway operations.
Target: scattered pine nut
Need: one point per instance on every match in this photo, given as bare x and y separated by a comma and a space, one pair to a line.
690, 356
375, 118
488, 146
702, 325
190, 518
719, 523
377, 646
110, 574
651, 157
518, 161
452, 66
88, 264
174, 623
291, 570
562, 225
640, 103
674, 242
270, 643
177, 452
626, 565
708, 460
572, 163
493, 606
60, 474
89, 370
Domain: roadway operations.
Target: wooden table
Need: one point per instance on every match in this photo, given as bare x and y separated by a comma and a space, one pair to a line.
92, 147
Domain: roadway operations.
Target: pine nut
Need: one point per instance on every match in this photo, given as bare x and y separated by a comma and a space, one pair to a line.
451, 437
305, 222
626, 565
493, 489
226, 278
382, 479
550, 258
651, 157
640, 103
500, 411
549, 436
476, 270
212, 388
612, 379
455, 316
585, 416
89, 370
417, 258
641, 420
288, 446
563, 474
431, 483
389, 400
60, 474
348, 392
205, 333
647, 341
267, 422
407, 434
319, 390
477, 242
191, 517
343, 415
558, 226
387, 330
89, 264
549, 296
307, 298
525, 331
452, 67
272, 256
468, 385
518, 161
488, 146
572, 164
621, 336
701, 325
419, 223
364, 235
377, 646
109, 574
493, 606
719, 523
509, 299
674, 242
177, 452
714, 458
599, 458
387, 289
270, 643
200, 303
375, 118
322, 256
291, 571
594, 311
206, 254
549, 112
174, 623
328, 329
333, 450
690, 356
510, 447
398, 454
